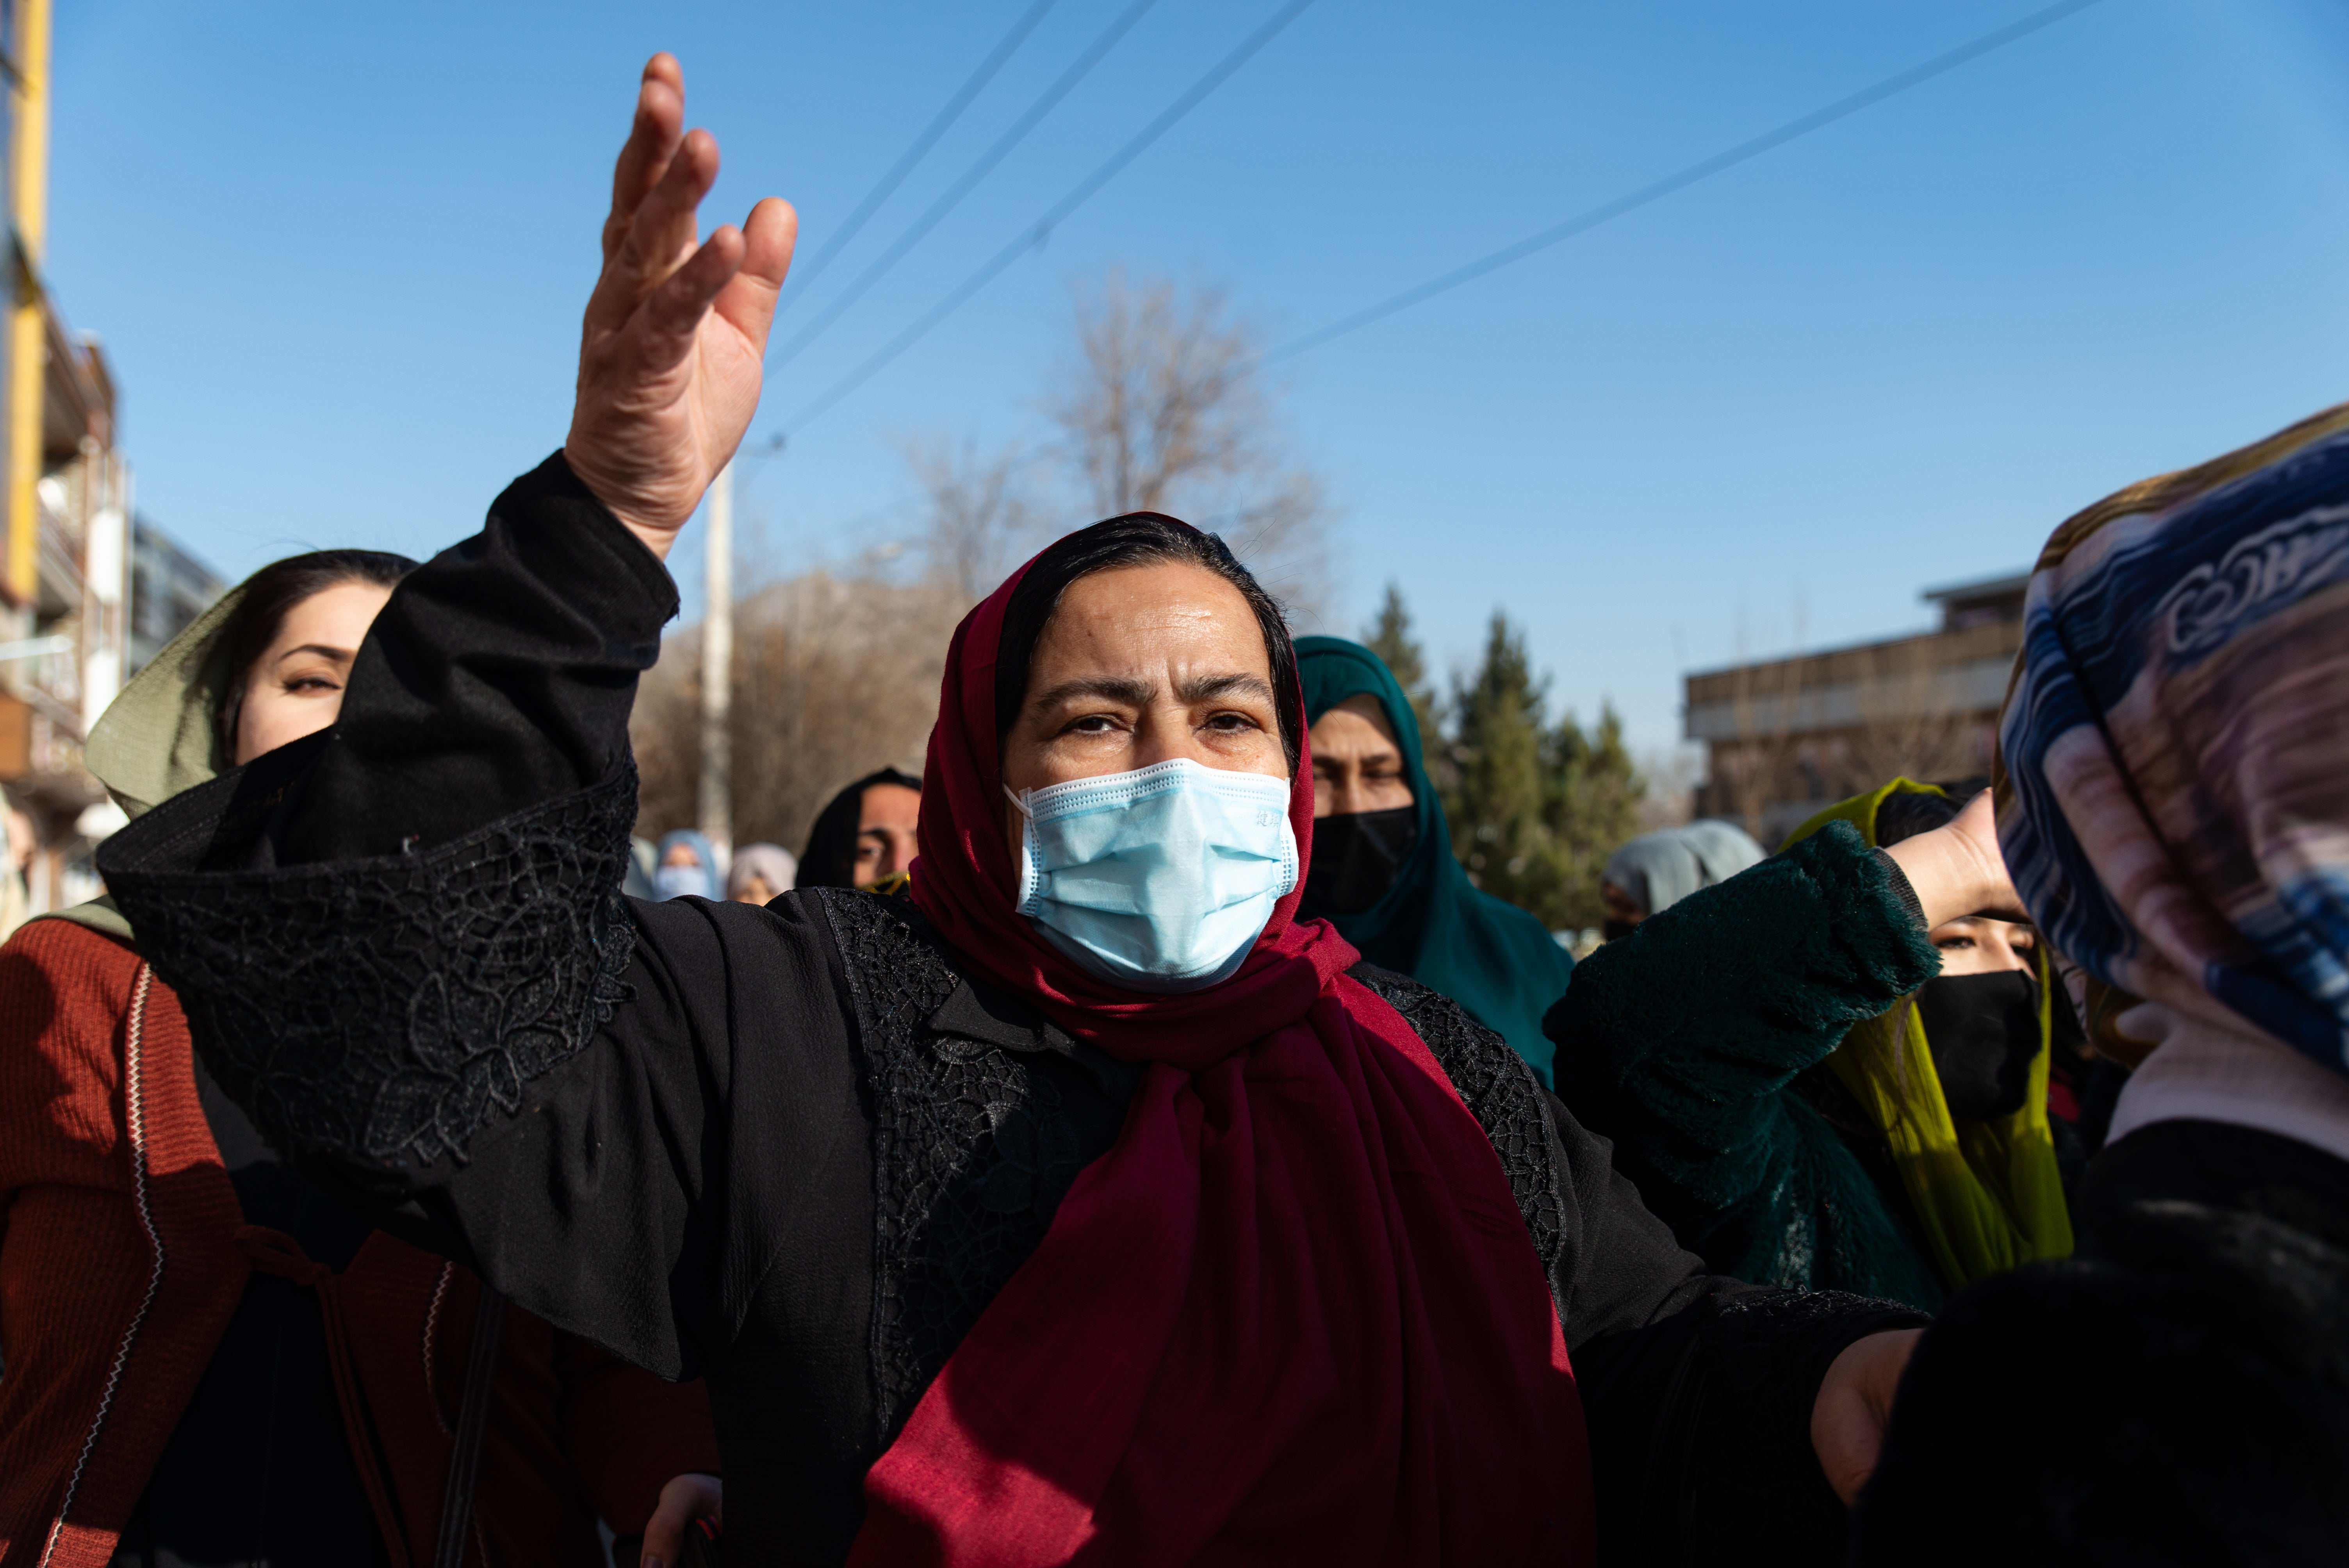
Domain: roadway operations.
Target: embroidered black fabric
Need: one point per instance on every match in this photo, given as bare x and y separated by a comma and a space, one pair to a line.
972, 1151
496, 957
1500, 1090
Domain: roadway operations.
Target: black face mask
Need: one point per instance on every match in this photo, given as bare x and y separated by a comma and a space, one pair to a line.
1357, 858
1618, 928
1983, 1030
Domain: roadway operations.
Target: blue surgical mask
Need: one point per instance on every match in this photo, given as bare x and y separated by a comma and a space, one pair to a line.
678, 882
1157, 880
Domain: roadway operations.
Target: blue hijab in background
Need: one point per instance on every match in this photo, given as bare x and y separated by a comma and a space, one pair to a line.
688, 881
1433, 924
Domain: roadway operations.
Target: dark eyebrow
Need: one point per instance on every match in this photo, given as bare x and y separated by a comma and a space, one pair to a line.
1122, 689
340, 655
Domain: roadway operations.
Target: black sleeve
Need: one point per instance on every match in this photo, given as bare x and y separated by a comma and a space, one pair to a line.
500, 677
401, 945
1701, 1427
1697, 1388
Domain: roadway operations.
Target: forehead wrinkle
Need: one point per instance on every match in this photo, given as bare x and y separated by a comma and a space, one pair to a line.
1131, 690
1206, 689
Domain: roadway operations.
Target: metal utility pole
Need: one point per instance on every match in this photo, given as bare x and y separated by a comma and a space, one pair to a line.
717, 666
28, 186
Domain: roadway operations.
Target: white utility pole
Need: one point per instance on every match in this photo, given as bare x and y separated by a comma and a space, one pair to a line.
717, 667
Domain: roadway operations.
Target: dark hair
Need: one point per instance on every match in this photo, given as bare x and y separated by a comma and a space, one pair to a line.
270, 595
830, 858
1137, 539
2177, 1396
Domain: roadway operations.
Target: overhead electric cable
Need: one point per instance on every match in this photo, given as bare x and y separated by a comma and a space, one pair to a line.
1036, 234
887, 185
1607, 212
929, 220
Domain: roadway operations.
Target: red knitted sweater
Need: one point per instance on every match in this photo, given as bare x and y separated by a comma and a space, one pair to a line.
123, 1255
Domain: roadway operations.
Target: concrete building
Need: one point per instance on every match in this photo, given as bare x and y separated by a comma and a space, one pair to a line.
1786, 737
169, 589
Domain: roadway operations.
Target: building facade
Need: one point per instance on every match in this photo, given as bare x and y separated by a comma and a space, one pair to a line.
70, 590
1784, 738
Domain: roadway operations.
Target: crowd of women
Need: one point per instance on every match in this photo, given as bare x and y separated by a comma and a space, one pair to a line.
1135, 1140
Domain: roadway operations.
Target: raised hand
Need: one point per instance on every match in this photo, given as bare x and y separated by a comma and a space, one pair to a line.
1957, 869
670, 355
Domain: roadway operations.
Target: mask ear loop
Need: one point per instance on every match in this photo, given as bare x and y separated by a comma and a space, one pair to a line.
1030, 884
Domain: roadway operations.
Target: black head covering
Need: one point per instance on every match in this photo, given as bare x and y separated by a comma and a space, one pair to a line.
830, 858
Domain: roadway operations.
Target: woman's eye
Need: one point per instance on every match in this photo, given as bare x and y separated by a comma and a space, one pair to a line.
1091, 724
311, 683
1230, 723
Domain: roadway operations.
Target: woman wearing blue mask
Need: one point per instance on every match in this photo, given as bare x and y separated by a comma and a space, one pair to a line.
689, 867
1080, 1200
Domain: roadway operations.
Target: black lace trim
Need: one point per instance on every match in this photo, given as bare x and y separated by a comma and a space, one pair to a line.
972, 1152
388, 1007
1776, 1345
1501, 1091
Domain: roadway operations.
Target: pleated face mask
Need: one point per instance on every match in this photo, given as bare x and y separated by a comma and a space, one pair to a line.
1160, 879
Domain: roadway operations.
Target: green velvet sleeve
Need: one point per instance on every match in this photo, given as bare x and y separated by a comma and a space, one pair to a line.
1680, 1041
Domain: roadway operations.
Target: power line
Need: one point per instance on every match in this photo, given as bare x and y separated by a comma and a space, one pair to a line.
887, 185
1607, 212
921, 226
1036, 234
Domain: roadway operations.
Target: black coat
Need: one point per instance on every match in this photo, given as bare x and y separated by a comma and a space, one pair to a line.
794, 1149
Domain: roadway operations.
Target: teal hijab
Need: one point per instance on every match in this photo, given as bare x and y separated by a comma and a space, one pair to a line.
1492, 958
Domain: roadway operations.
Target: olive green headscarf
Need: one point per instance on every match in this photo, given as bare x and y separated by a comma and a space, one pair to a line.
160, 735
1987, 1195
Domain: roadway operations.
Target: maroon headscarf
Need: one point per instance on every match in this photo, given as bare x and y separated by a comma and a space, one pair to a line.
1292, 1316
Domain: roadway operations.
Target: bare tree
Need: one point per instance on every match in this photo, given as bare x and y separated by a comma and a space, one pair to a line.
1162, 406
1913, 729
1765, 705
835, 675
980, 511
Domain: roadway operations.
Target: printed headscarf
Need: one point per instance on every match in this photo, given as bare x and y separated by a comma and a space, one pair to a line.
1292, 1315
1433, 924
1988, 1195
2173, 781
1658, 870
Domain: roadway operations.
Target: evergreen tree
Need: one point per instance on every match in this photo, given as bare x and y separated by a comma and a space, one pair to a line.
1535, 810
1593, 806
1390, 638
1500, 791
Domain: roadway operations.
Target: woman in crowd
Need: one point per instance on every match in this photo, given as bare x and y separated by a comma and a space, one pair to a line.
1383, 871
760, 873
2174, 803
1816, 1086
688, 866
866, 834
1080, 1202
208, 1358
1655, 871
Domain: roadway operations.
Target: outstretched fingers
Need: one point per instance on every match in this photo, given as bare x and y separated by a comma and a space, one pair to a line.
665, 330
748, 300
659, 236
653, 140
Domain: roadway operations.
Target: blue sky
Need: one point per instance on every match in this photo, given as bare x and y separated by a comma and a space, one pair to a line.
337, 254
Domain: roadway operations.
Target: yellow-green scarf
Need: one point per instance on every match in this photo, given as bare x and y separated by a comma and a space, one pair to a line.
1987, 1195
